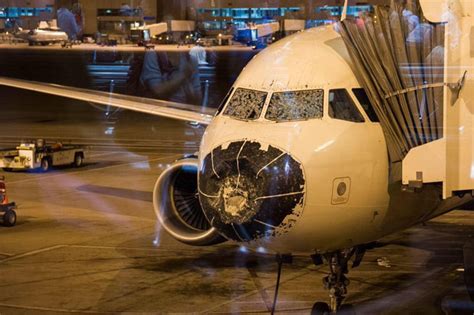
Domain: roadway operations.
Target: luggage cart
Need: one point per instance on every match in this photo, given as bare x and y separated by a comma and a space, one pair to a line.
7, 209
8, 214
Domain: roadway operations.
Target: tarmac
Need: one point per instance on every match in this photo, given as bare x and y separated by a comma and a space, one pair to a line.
87, 240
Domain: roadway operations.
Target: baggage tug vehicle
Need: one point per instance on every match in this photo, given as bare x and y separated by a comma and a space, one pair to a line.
41, 156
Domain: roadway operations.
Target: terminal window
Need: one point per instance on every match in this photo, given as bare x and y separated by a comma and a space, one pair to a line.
351, 10
14, 12
27, 12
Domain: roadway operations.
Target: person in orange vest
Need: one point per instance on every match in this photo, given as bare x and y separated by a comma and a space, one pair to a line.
3, 192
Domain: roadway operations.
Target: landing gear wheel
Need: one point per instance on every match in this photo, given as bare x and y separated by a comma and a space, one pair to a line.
78, 160
9, 218
346, 309
45, 165
336, 281
320, 308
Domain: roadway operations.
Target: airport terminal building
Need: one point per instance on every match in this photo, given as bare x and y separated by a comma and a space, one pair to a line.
27, 13
210, 17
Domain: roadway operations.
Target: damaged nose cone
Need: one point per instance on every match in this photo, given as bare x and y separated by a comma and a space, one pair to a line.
249, 190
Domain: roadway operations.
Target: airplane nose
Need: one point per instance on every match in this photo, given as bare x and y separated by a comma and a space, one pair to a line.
251, 190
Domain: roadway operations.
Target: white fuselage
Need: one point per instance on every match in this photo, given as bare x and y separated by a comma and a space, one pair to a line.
330, 150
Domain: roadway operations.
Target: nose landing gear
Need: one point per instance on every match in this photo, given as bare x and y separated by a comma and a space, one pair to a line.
336, 282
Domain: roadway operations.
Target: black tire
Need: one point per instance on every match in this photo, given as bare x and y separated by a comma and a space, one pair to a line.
45, 165
320, 308
78, 160
346, 309
9, 218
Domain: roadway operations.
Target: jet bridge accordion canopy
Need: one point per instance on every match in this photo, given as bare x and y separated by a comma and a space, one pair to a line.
399, 59
416, 62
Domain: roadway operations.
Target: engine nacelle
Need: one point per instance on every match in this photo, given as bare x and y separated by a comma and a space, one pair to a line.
176, 203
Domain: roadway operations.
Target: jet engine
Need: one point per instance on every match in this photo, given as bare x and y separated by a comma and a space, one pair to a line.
176, 203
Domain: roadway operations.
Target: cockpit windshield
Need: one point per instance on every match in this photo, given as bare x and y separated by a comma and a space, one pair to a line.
246, 104
296, 105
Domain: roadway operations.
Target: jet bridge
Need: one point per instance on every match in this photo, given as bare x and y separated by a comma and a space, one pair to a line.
416, 62
156, 29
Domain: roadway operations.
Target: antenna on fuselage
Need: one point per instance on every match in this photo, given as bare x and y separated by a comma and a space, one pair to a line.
344, 10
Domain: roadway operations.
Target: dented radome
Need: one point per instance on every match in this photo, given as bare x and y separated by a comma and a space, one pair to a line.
250, 190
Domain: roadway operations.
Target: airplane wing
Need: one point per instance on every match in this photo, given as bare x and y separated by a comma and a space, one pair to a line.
144, 105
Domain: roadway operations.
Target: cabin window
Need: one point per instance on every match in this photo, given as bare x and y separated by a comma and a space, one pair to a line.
366, 104
246, 104
342, 107
296, 105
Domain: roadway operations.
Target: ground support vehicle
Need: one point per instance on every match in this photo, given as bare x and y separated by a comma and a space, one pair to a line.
38, 155
7, 209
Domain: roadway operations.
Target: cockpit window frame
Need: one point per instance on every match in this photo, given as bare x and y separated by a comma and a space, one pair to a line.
231, 96
269, 95
224, 102
272, 94
354, 105
370, 113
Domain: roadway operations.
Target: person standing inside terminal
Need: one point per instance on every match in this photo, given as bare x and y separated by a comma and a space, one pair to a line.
79, 16
67, 21
125, 10
160, 79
